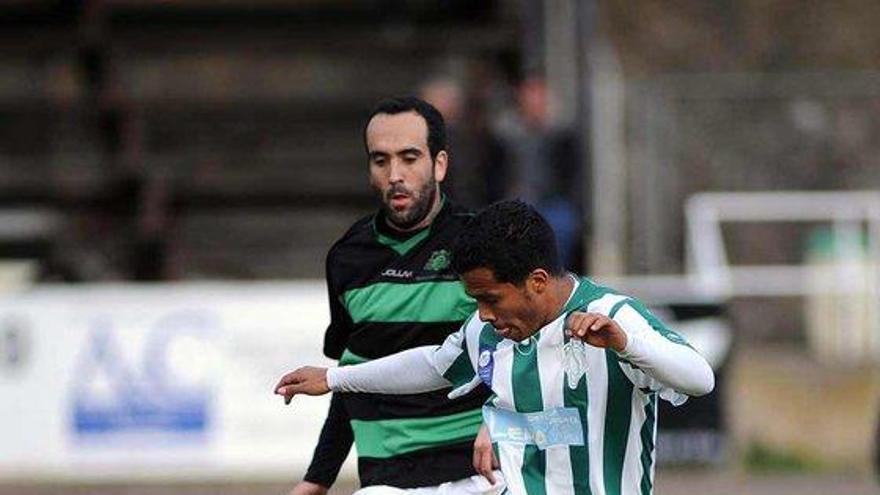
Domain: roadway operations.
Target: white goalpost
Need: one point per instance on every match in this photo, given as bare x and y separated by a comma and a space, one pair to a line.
842, 289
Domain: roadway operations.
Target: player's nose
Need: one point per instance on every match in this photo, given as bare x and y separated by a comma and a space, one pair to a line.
395, 171
485, 313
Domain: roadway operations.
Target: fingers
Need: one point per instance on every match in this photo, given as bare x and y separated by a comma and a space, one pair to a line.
287, 392
287, 379
483, 463
580, 324
288, 386
484, 457
597, 330
307, 380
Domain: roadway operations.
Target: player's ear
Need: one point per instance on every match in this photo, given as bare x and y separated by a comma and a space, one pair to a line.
537, 280
441, 164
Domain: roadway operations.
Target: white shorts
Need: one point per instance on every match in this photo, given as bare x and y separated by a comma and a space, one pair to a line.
475, 485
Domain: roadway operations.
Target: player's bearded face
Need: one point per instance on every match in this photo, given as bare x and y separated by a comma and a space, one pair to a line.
407, 206
403, 172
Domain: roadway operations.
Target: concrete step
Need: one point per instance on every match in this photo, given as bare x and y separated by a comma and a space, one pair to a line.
259, 243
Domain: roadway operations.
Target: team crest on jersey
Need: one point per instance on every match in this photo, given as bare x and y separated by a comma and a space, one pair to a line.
485, 365
574, 361
439, 260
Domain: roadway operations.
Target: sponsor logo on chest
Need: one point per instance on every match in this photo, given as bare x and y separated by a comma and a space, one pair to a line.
397, 273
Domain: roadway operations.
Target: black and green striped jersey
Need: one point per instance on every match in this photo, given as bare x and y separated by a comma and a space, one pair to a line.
390, 293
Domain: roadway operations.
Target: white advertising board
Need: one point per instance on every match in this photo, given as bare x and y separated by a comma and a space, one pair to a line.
164, 381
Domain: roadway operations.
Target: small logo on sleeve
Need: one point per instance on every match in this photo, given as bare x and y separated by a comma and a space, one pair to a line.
486, 364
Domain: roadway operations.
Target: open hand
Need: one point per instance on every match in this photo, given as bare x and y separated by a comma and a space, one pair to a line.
597, 330
308, 380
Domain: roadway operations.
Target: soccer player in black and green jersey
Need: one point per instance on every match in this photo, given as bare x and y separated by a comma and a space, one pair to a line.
391, 288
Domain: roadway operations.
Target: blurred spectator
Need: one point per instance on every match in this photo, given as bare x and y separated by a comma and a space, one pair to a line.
472, 144
121, 231
142, 203
542, 165
121, 235
136, 199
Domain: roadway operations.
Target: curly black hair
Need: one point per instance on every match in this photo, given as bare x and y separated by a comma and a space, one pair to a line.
510, 238
433, 119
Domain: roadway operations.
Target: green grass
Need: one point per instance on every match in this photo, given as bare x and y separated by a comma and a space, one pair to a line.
761, 459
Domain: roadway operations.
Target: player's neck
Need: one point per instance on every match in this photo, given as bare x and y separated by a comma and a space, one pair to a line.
558, 296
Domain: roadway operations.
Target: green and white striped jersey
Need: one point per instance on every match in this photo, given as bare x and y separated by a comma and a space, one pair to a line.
565, 417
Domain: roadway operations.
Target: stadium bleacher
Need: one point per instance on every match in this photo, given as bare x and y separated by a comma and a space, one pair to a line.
246, 114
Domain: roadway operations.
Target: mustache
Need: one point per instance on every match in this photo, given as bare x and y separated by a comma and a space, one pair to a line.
398, 189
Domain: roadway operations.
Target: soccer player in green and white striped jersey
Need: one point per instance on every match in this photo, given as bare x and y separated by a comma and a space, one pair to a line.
575, 368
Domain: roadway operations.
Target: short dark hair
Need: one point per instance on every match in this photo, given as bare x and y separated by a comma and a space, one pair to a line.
433, 119
510, 238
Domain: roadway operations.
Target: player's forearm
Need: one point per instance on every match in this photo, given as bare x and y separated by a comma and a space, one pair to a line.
676, 365
333, 445
407, 372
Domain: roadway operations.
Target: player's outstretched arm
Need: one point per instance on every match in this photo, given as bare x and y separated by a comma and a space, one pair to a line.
308, 380
408, 372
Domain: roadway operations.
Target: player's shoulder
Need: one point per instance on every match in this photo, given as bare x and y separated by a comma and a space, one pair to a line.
594, 297
454, 216
459, 212
359, 233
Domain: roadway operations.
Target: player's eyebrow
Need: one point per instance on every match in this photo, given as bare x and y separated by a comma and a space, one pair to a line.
410, 150
482, 296
377, 154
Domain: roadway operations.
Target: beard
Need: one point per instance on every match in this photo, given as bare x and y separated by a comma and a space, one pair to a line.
422, 201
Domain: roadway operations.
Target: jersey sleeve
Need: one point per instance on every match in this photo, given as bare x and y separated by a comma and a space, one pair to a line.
339, 329
333, 445
658, 358
454, 360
